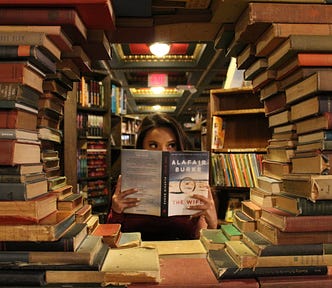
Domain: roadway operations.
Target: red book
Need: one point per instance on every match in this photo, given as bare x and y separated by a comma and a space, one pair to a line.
18, 119
288, 222
68, 18
21, 72
110, 233
102, 17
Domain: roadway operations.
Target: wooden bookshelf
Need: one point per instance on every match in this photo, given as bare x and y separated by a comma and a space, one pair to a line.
242, 141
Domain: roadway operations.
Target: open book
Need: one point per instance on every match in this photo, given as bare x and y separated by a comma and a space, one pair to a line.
165, 180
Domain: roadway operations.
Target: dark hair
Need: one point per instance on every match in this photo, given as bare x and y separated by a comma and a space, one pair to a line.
157, 120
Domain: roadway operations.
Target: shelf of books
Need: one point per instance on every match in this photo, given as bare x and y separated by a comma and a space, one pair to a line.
93, 141
239, 134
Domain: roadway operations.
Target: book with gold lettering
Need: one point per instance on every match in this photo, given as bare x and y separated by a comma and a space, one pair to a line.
165, 181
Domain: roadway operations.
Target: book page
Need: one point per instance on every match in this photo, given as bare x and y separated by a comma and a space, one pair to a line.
188, 175
141, 169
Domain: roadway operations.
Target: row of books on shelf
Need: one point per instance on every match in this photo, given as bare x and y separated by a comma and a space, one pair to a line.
90, 93
236, 169
90, 124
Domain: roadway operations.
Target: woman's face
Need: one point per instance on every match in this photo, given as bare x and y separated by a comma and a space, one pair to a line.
162, 139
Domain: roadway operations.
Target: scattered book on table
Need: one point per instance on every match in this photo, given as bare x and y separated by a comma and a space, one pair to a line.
173, 178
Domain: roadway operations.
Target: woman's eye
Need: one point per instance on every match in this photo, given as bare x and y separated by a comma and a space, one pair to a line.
172, 145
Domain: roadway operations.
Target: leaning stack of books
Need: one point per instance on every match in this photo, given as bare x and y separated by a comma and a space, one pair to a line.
284, 50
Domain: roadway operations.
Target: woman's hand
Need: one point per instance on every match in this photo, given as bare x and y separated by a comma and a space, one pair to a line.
207, 209
120, 201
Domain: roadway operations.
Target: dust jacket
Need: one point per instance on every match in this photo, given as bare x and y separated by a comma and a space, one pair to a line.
165, 180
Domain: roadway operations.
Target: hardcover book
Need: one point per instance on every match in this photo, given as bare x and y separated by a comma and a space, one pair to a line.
224, 267
173, 178
17, 119
319, 122
27, 211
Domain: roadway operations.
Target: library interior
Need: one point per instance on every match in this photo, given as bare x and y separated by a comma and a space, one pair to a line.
247, 203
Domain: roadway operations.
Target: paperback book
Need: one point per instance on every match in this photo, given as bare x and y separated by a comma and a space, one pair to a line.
165, 181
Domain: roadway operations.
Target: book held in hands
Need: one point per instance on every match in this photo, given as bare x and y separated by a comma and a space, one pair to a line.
166, 181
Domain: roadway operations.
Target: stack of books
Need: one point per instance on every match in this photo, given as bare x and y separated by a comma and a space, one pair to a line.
286, 56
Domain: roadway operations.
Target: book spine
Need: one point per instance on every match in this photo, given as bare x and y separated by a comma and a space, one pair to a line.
164, 184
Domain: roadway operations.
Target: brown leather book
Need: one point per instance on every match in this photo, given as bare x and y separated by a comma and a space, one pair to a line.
18, 119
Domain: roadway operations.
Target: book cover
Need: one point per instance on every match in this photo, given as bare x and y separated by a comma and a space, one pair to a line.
19, 134
173, 178
213, 239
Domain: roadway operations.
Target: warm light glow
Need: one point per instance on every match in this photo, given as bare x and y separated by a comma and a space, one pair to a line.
159, 49
156, 107
157, 90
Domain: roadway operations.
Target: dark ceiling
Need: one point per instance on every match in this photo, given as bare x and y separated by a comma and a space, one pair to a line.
196, 62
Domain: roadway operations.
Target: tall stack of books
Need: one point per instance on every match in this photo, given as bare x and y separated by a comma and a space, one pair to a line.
284, 49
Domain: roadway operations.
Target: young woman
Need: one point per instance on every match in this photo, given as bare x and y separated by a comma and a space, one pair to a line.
161, 132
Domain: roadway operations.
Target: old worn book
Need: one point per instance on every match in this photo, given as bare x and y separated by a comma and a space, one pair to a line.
21, 169
56, 181
54, 32
181, 174
30, 177
23, 191
298, 43
263, 247
278, 237
62, 192
19, 134
17, 119
213, 239
224, 267
69, 19
275, 169
312, 162
315, 105
21, 72
255, 69
80, 58
83, 213
279, 118
84, 254
304, 61
109, 233
280, 154
50, 228
97, 45
51, 101
325, 135
275, 104
251, 209
279, 32
27, 211
319, 122
243, 222
231, 232
50, 134
14, 152
32, 53
260, 197
269, 184
306, 281
288, 222
257, 17
132, 265
244, 257
314, 84
69, 68
177, 248
315, 145
263, 79
70, 203
128, 240
31, 38
70, 241
302, 206
246, 57
313, 187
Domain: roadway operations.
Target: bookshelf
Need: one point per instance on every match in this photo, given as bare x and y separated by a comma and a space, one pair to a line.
87, 155
237, 136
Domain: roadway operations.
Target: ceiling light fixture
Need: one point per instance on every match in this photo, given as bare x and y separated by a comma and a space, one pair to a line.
159, 49
157, 89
